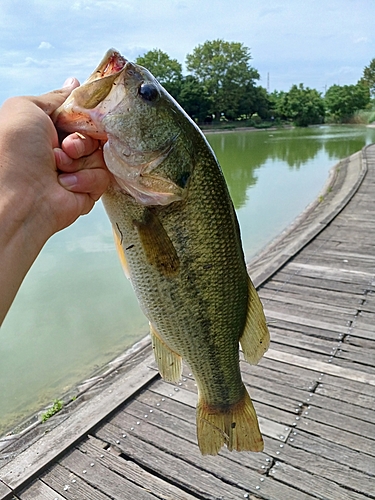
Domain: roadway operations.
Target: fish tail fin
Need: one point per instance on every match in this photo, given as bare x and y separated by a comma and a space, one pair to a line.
236, 426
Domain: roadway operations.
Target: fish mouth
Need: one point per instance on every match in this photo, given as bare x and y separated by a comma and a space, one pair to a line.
111, 64
78, 113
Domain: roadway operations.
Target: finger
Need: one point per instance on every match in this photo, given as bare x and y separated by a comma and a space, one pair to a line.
52, 100
92, 182
65, 163
76, 145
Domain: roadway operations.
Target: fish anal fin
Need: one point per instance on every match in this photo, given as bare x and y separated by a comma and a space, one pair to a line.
157, 245
120, 251
255, 338
169, 362
236, 426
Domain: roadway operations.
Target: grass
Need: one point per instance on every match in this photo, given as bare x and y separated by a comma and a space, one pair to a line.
57, 406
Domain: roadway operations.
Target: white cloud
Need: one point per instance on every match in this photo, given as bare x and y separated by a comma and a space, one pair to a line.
45, 45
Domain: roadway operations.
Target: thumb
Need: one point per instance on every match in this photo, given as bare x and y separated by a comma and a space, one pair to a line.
52, 100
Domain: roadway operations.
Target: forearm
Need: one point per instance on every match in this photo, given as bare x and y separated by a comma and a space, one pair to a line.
21, 238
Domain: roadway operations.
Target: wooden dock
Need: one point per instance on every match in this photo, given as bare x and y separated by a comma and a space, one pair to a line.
132, 435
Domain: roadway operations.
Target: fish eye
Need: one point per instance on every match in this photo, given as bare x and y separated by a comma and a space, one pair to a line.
149, 92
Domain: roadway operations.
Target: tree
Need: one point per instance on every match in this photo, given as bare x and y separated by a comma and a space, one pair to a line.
224, 70
343, 101
304, 106
368, 77
168, 71
194, 99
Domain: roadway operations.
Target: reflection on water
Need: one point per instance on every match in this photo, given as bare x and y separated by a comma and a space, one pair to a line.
76, 311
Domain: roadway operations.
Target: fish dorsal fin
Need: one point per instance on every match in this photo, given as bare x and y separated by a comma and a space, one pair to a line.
255, 338
157, 245
120, 251
169, 362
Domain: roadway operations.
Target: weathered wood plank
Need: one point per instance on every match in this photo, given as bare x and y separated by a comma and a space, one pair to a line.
71, 486
341, 421
343, 394
319, 466
339, 436
133, 472
205, 476
102, 478
39, 490
329, 490
33, 460
319, 366
342, 455
5, 491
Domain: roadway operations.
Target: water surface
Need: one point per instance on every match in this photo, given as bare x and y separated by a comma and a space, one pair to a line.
76, 311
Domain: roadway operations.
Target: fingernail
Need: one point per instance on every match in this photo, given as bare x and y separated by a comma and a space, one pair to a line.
68, 82
79, 145
62, 158
68, 180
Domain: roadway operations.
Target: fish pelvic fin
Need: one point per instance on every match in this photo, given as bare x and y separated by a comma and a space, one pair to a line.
120, 251
157, 245
169, 362
235, 426
255, 338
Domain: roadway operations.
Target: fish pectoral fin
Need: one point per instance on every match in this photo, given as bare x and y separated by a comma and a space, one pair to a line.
162, 189
120, 251
169, 362
255, 338
236, 426
157, 245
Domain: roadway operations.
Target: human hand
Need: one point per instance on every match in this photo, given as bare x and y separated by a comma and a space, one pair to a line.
43, 187
31, 163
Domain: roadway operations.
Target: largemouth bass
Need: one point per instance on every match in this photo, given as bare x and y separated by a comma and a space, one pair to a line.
179, 242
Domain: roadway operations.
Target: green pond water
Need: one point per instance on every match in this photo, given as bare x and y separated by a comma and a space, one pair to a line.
76, 310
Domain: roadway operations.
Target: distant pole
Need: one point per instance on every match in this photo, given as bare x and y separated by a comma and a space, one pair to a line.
268, 82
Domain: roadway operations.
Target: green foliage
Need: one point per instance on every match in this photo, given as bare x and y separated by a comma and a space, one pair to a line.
368, 78
57, 406
194, 98
225, 72
343, 101
168, 71
222, 86
303, 106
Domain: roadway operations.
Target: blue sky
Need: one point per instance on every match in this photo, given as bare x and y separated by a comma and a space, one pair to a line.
316, 42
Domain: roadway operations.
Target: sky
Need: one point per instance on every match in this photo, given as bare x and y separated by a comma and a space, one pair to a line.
315, 42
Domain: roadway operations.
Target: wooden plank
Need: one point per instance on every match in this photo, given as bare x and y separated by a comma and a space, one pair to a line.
39, 490
5, 491
103, 479
319, 366
329, 490
341, 421
71, 486
343, 394
319, 466
169, 467
207, 477
37, 457
286, 299
329, 273
332, 434
302, 321
342, 455
133, 472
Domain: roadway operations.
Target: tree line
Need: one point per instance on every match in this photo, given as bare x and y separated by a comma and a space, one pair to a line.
221, 85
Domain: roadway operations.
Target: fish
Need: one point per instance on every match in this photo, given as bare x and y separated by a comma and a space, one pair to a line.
179, 242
